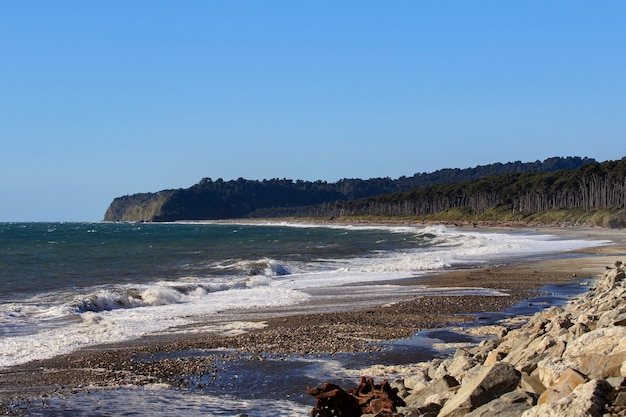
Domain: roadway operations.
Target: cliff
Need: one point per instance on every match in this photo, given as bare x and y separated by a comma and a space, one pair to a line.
143, 207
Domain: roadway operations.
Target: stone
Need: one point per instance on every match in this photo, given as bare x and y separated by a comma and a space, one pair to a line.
460, 365
497, 330
620, 399
620, 320
511, 404
565, 384
531, 384
550, 369
616, 381
527, 355
600, 353
561, 321
485, 347
491, 382
613, 317
493, 357
417, 381
612, 278
437, 392
579, 329
430, 410
587, 400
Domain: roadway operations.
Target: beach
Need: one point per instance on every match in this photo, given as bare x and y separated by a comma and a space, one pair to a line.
318, 330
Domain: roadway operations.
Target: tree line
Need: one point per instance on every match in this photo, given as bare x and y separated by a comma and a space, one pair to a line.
419, 194
593, 186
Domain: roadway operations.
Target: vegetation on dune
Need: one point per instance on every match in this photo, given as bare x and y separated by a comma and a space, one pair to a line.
558, 190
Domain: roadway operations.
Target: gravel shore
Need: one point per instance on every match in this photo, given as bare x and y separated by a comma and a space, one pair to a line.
145, 360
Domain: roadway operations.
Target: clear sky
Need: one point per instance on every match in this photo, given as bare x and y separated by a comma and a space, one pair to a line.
99, 99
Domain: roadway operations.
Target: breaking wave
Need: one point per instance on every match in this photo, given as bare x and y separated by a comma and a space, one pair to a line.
254, 274
156, 295
265, 266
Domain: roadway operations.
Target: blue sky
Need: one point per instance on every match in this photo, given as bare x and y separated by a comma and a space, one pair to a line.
105, 98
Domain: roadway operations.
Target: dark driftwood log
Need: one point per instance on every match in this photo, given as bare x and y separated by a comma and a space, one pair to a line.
367, 398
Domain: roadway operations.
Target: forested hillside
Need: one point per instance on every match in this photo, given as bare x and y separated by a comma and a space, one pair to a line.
592, 188
277, 197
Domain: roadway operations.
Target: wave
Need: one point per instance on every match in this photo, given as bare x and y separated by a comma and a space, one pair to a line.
116, 298
255, 274
264, 266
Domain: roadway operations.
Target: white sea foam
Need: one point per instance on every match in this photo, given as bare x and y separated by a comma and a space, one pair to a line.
107, 326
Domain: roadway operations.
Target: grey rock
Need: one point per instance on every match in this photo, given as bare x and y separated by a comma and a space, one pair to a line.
587, 400
491, 383
437, 391
511, 404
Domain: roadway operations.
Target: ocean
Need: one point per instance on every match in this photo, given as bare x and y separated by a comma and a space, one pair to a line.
67, 286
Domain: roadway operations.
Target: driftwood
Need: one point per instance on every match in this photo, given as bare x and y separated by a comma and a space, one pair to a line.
367, 398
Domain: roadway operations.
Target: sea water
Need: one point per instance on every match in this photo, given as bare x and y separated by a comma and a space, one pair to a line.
66, 286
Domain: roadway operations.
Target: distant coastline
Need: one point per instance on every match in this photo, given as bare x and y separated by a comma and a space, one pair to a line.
564, 191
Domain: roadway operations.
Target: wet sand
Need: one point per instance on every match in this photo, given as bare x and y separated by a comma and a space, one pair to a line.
320, 329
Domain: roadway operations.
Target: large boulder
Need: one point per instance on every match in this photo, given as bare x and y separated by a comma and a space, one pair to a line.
436, 392
511, 404
550, 369
565, 384
600, 353
489, 384
587, 400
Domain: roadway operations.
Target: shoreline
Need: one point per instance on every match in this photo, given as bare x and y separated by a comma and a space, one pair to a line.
315, 333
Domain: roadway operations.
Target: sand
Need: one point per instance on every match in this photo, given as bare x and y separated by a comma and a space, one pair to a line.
319, 329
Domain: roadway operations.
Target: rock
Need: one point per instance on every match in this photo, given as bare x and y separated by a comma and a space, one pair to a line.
437, 392
460, 364
531, 384
511, 404
561, 321
620, 399
430, 410
616, 381
491, 382
527, 352
493, 357
620, 320
400, 388
550, 370
612, 278
613, 317
587, 400
498, 331
600, 353
579, 329
417, 381
565, 384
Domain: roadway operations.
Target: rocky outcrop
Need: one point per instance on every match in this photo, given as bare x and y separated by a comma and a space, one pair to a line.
145, 207
565, 361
